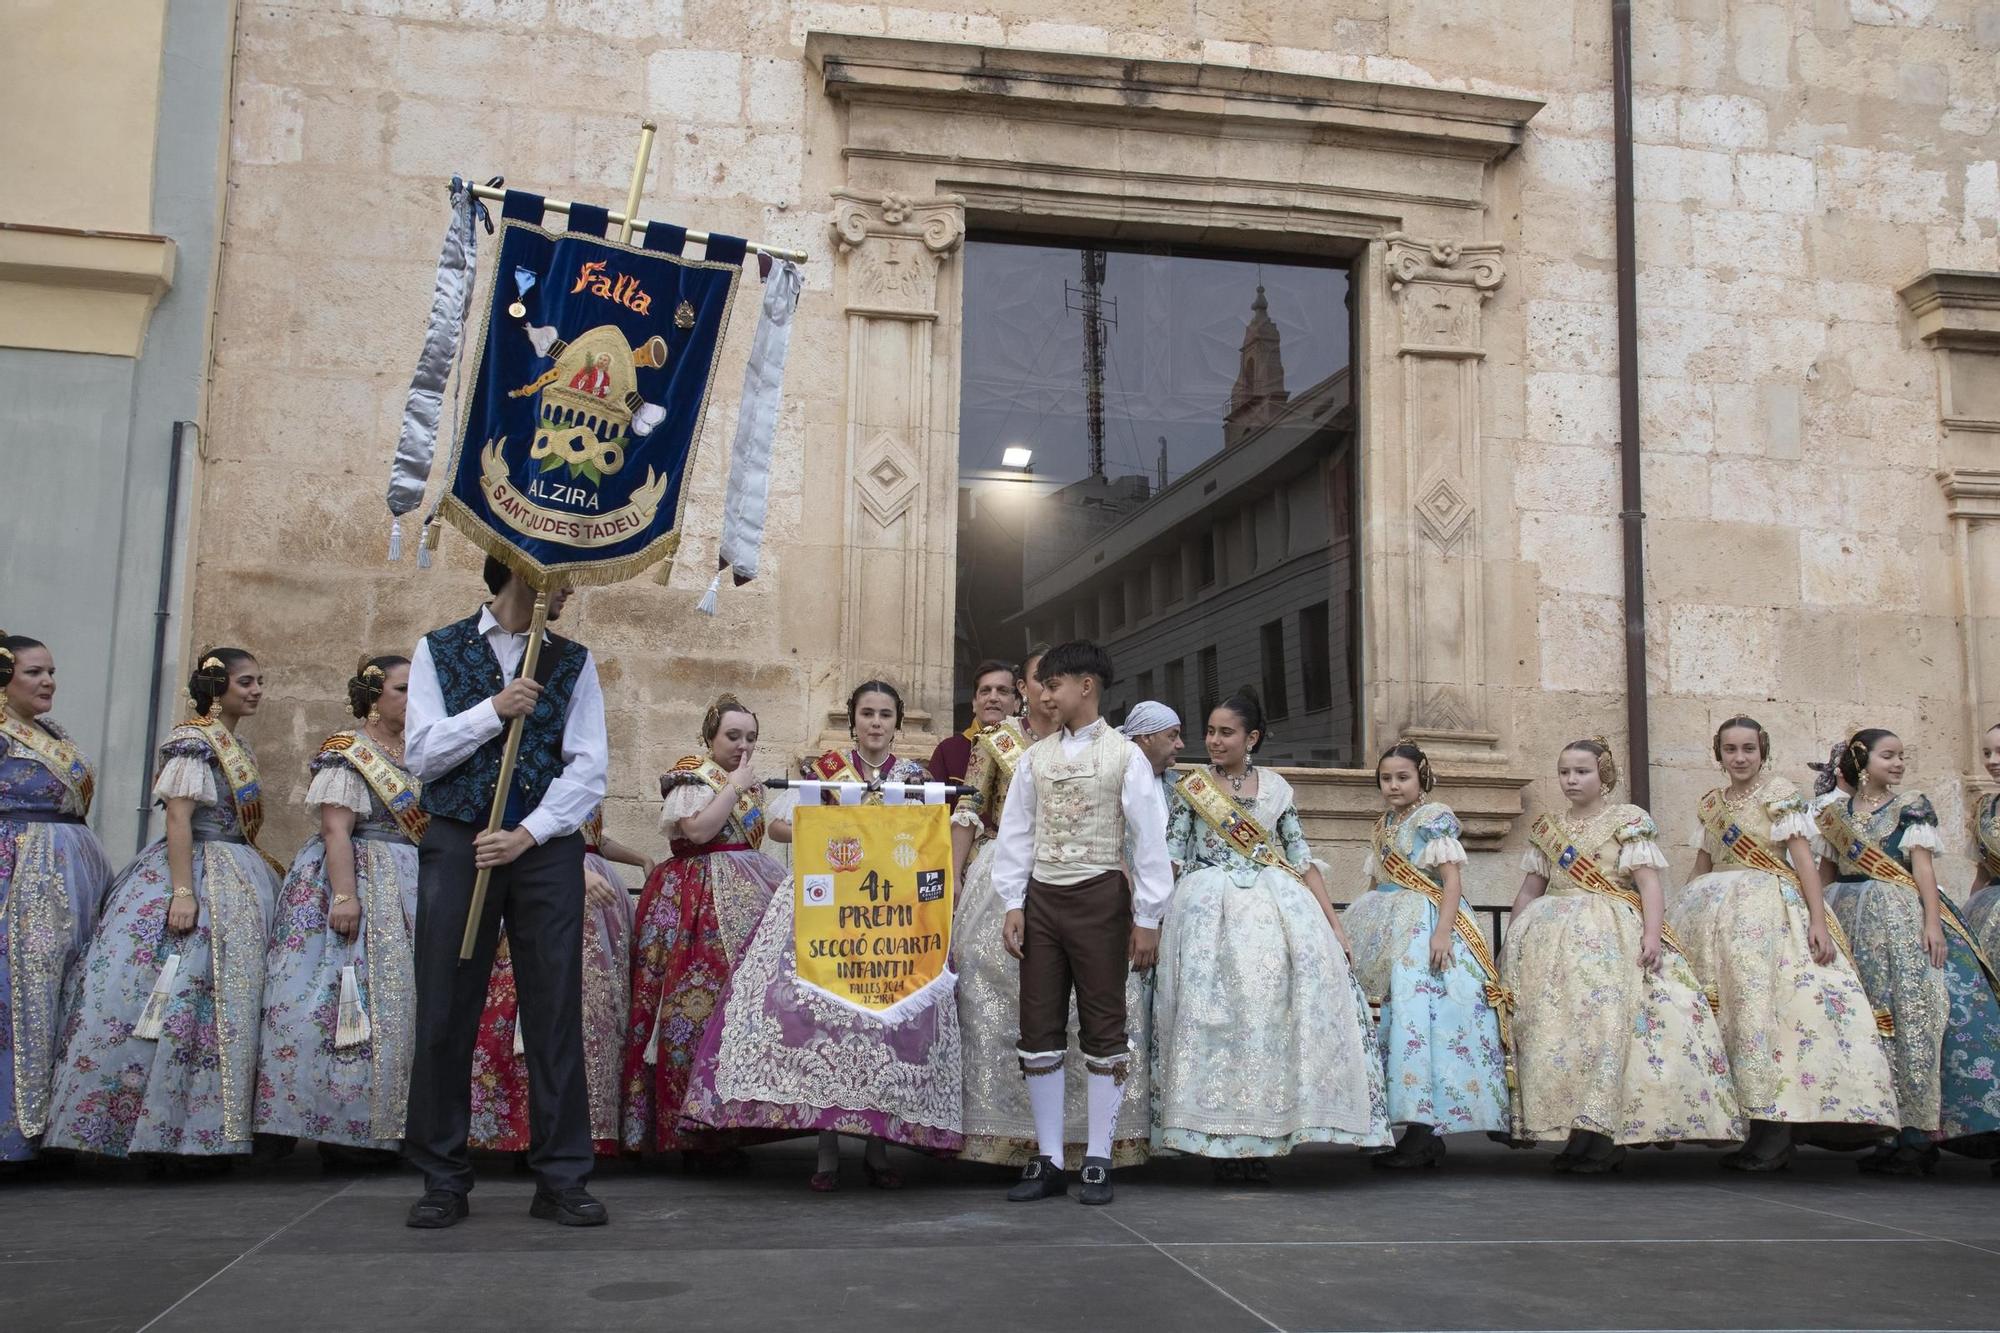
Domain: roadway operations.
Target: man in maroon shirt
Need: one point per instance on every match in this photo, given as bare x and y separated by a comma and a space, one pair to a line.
993, 701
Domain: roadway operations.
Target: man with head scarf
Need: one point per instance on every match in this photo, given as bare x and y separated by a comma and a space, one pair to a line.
1156, 730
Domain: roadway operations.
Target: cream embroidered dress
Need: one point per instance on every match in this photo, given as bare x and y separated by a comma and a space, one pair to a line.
999, 1125
1439, 1033
1262, 1037
1600, 1044
1801, 1036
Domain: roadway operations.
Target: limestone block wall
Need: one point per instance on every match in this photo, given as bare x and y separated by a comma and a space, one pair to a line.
1797, 164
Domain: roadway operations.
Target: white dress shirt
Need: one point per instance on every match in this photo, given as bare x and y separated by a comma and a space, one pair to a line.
1145, 833
434, 743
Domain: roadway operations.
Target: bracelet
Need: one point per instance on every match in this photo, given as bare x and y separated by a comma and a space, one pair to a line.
183, 891
340, 898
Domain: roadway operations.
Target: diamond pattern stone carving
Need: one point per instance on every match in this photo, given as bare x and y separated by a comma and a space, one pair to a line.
1443, 509
886, 476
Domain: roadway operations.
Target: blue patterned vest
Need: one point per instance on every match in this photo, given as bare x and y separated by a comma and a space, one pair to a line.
467, 673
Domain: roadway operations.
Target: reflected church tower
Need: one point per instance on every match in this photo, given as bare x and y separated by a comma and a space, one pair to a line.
1259, 396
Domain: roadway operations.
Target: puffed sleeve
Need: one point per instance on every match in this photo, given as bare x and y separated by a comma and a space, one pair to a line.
1920, 825
1703, 837
1292, 837
1442, 847
1790, 816
682, 801
334, 782
185, 774
1639, 843
1534, 863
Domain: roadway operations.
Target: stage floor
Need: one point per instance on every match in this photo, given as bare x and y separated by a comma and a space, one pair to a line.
1492, 1240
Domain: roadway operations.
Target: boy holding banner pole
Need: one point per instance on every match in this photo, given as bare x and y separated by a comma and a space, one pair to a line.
1078, 801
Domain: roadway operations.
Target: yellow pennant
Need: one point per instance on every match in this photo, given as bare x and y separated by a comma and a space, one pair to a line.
872, 899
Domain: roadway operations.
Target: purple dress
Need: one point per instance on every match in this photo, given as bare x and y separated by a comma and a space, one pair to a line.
779, 1055
52, 879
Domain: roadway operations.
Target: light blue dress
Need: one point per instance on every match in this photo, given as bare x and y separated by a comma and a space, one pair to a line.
1261, 1036
190, 1090
306, 1086
52, 877
1439, 1034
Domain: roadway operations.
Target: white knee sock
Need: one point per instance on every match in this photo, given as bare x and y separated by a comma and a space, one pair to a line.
1045, 1096
1105, 1094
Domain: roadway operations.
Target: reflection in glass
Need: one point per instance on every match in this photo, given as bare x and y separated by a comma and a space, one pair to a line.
1157, 452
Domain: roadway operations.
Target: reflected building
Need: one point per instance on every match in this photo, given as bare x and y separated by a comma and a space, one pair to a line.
1238, 572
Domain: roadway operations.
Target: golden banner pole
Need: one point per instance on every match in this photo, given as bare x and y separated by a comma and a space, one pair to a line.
646, 131
530, 656
538, 622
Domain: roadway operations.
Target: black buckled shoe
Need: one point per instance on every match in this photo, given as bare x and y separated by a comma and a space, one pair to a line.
436, 1210
572, 1207
1096, 1181
1040, 1179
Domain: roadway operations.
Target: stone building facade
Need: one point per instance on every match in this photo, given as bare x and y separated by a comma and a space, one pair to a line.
1818, 215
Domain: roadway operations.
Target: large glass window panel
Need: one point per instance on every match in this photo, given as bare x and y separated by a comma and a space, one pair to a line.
1157, 452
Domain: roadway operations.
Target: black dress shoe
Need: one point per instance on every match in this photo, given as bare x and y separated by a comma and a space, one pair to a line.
572, 1207
437, 1209
1096, 1181
1040, 1179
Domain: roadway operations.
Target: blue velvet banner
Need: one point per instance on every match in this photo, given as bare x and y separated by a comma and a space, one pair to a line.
586, 401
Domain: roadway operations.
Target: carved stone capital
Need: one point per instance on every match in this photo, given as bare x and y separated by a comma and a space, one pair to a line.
1443, 263
897, 244
1972, 492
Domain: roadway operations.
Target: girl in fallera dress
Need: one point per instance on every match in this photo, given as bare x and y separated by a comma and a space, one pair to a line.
499, 1058
52, 877
1916, 957
696, 915
1982, 908
999, 1122
1262, 1035
339, 973
1801, 1036
160, 1052
1422, 958
1614, 1041
779, 1055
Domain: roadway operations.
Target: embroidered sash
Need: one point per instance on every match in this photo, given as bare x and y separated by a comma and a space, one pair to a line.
1873, 860
833, 767
56, 753
747, 811
1753, 853
240, 771
1236, 825
1403, 873
393, 786
1575, 865
1004, 745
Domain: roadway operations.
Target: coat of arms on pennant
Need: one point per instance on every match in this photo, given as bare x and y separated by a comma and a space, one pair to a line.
872, 921
586, 401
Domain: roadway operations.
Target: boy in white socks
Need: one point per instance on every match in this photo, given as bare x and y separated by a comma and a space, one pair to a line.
1071, 918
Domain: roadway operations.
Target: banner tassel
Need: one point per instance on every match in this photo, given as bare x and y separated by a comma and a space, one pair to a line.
353, 1027
395, 538
427, 543
707, 603
150, 1021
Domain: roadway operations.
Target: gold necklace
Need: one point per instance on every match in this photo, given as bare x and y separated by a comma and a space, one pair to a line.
392, 748
1235, 780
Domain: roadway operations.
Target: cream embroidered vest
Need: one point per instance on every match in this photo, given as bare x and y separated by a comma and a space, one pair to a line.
1079, 816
